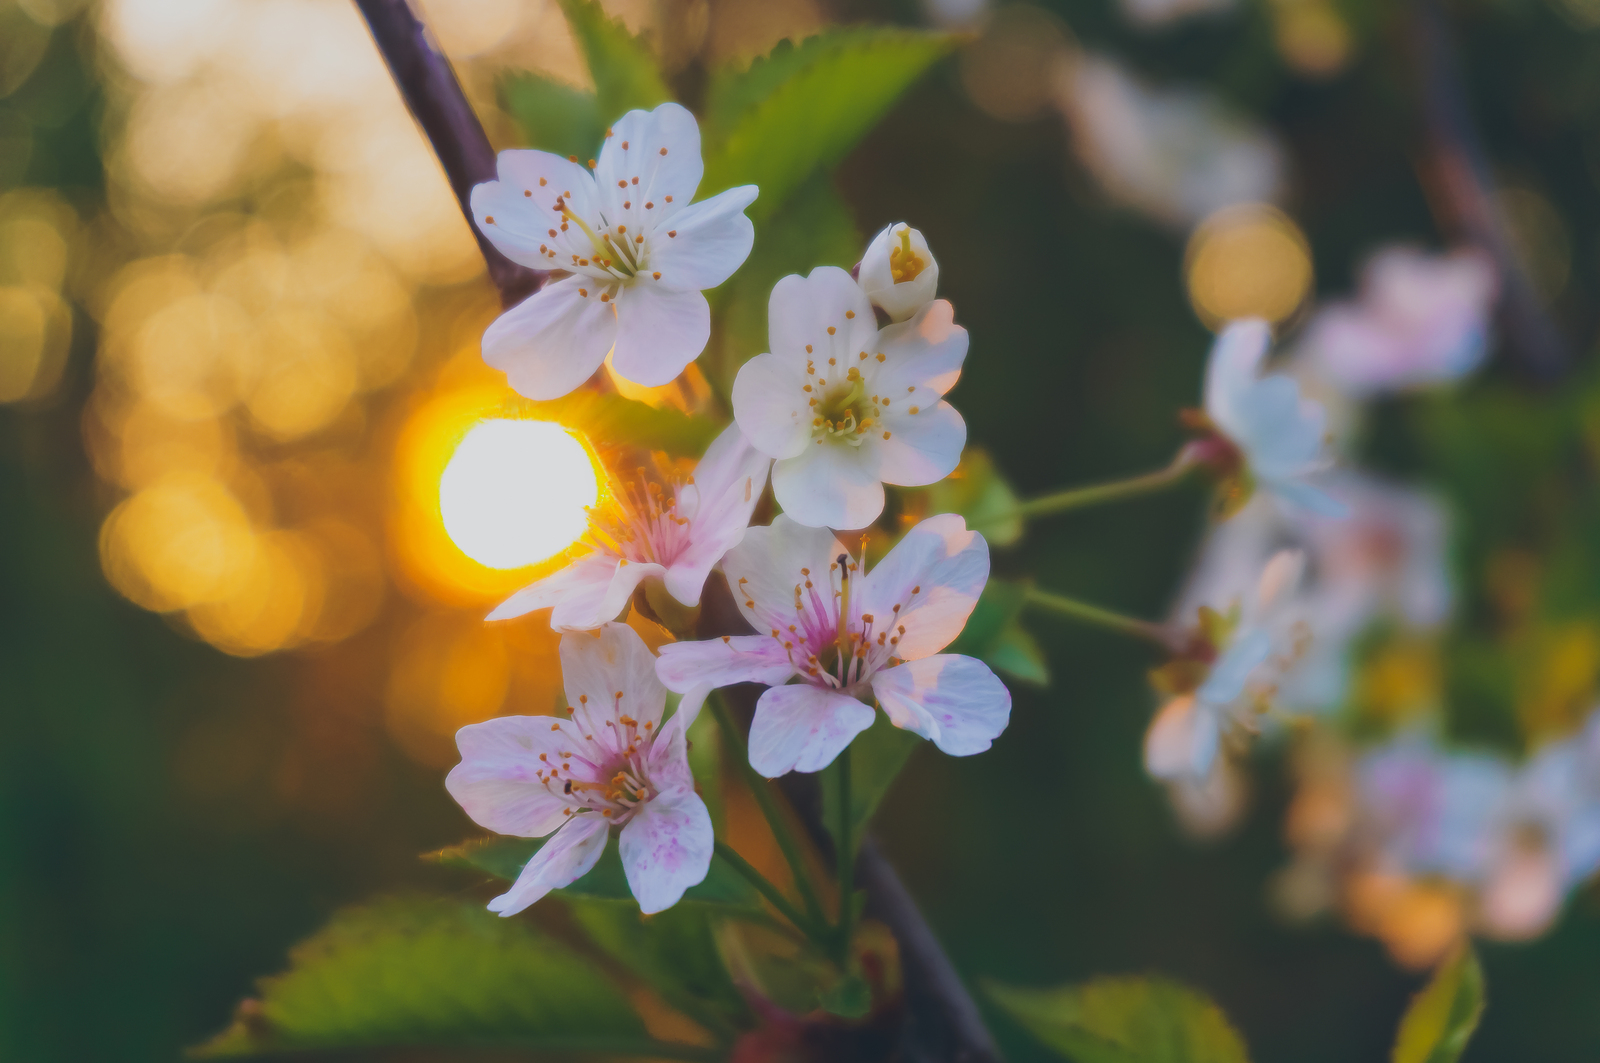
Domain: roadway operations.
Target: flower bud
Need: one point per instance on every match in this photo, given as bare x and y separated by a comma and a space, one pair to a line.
898, 272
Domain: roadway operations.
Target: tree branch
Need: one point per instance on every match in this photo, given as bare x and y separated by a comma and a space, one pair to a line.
433, 95
1460, 187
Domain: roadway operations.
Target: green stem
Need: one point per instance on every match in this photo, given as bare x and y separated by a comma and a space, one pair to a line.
846, 861
761, 788
1061, 605
774, 895
1098, 494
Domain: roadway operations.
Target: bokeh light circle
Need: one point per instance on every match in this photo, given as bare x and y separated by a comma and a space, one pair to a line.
515, 492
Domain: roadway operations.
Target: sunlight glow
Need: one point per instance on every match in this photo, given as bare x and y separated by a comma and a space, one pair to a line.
515, 492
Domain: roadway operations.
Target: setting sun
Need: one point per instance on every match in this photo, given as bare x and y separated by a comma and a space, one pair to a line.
514, 492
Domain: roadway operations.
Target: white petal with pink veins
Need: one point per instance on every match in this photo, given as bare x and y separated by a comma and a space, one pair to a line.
497, 782
803, 728
666, 848
764, 569
553, 340
935, 575
611, 661
954, 701
722, 662
564, 859
586, 580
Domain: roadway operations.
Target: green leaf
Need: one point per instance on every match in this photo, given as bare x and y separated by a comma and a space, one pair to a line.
424, 971
1125, 1020
876, 757
554, 117
1441, 1018
608, 417
504, 857
804, 108
978, 492
675, 951
1016, 652
624, 69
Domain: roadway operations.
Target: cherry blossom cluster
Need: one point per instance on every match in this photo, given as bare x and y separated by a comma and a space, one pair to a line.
848, 397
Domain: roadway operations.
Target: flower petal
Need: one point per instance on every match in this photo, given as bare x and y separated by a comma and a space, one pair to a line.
658, 332
1182, 740
831, 485
722, 505
587, 577
595, 605
955, 701
923, 447
1231, 371
521, 205
721, 662
764, 569
1248, 651
925, 353
666, 848
801, 310
802, 728
563, 860
614, 659
934, 575
553, 340
713, 239
770, 404
497, 781
674, 172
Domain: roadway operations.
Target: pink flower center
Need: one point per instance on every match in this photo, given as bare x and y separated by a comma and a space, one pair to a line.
607, 772
643, 523
828, 639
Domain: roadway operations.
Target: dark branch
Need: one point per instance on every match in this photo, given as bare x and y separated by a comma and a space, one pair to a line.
942, 1020
434, 97
1459, 183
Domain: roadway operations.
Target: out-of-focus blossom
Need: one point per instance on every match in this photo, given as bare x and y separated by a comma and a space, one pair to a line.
1177, 155
898, 272
1386, 559
1160, 12
637, 252
1279, 434
850, 637
612, 762
1420, 319
675, 535
1229, 678
845, 407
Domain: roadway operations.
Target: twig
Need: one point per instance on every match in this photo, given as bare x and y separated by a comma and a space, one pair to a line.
1457, 174
434, 97
943, 1022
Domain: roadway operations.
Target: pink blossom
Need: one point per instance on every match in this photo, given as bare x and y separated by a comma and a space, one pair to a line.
676, 535
847, 637
1421, 319
611, 762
